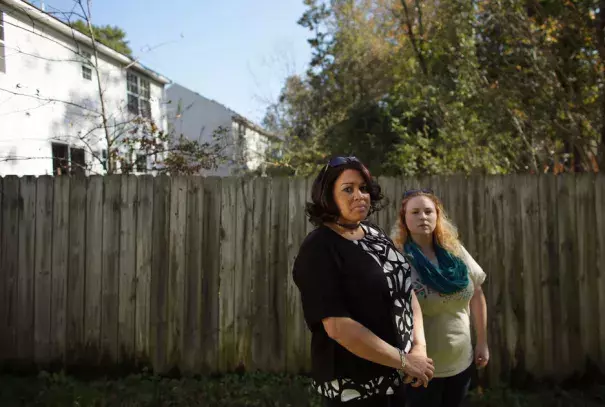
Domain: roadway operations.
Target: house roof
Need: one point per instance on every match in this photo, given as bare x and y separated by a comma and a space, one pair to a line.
51, 21
241, 119
234, 115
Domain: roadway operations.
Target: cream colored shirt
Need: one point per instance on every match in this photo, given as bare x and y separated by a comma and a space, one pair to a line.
447, 326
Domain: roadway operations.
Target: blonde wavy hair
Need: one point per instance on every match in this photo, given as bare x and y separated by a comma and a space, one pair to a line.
445, 232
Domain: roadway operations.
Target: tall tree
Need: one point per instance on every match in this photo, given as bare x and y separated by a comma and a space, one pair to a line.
447, 86
112, 36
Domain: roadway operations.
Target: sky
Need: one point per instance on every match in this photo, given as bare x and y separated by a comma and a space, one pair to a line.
237, 52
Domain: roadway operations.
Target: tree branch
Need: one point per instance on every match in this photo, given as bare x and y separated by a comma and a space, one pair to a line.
420, 23
413, 40
22, 158
19, 51
46, 103
52, 100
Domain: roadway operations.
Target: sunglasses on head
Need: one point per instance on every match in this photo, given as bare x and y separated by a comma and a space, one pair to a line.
410, 192
338, 161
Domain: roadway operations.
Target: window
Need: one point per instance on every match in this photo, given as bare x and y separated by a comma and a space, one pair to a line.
139, 93
86, 73
78, 161
68, 160
86, 65
2, 53
141, 164
86, 69
127, 164
60, 159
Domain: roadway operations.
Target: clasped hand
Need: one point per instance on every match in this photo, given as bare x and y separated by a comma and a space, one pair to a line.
419, 368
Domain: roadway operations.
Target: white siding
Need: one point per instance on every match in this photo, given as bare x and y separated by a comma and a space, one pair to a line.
42, 65
198, 118
256, 149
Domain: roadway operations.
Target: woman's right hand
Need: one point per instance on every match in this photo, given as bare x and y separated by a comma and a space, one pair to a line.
419, 366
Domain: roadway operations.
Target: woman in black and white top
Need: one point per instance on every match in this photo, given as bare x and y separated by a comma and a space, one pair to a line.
366, 325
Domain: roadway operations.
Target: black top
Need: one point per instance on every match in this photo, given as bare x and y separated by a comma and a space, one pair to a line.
367, 280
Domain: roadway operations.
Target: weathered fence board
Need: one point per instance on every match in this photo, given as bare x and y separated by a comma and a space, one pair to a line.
76, 273
549, 279
296, 331
260, 272
490, 258
211, 267
144, 236
194, 273
9, 264
229, 256
127, 256
586, 265
43, 269
568, 274
279, 274
192, 322
110, 278
159, 274
532, 301
176, 269
94, 269
60, 249
243, 274
27, 235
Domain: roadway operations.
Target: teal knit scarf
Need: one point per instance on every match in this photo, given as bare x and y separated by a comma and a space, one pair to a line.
450, 276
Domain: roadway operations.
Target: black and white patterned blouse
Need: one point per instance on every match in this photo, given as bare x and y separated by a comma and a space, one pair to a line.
367, 280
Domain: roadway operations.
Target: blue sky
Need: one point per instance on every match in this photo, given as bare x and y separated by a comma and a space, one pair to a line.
237, 52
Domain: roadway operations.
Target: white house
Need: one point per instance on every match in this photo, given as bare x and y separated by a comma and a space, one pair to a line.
195, 117
51, 116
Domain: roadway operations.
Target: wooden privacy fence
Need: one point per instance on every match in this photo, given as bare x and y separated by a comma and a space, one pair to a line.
193, 273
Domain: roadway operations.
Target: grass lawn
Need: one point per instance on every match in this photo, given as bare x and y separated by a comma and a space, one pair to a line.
232, 390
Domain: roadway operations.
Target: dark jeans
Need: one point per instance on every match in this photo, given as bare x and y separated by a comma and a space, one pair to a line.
441, 392
396, 400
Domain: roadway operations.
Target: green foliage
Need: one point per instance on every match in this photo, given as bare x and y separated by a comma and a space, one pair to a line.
438, 87
164, 152
112, 36
232, 390
255, 389
591, 396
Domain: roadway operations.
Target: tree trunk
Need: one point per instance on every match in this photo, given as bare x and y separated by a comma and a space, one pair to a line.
87, 12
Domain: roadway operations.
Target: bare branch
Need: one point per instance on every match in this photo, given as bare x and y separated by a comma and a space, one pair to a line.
413, 39
22, 158
46, 103
39, 34
52, 100
418, 5
67, 14
19, 51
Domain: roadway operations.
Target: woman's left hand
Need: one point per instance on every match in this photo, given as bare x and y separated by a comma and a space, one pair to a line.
481, 355
418, 350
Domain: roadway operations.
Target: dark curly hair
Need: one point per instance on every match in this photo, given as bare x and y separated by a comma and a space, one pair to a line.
323, 209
